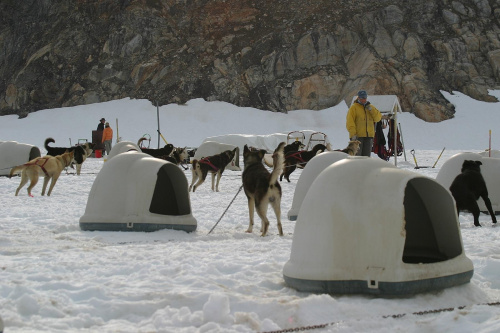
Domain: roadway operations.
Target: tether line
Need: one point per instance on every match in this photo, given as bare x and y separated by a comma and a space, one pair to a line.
395, 316
225, 210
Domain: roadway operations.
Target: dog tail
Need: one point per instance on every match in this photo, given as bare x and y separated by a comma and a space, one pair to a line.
278, 160
16, 170
140, 140
47, 141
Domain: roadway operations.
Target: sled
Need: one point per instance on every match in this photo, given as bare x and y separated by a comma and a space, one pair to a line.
82, 142
316, 138
147, 138
295, 136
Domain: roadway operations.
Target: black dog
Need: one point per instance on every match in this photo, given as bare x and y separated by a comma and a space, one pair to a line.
467, 187
81, 152
290, 148
299, 159
164, 151
294, 146
214, 164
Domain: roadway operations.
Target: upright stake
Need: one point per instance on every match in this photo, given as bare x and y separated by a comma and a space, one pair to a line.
117, 136
438, 157
158, 121
489, 146
395, 138
402, 141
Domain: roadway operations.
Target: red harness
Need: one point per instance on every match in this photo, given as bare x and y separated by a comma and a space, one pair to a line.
297, 155
207, 162
45, 159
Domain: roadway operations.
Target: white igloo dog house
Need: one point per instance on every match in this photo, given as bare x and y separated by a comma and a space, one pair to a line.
137, 192
493, 153
490, 169
209, 148
13, 153
123, 147
313, 168
367, 227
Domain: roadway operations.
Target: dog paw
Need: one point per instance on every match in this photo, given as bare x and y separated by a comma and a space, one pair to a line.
477, 225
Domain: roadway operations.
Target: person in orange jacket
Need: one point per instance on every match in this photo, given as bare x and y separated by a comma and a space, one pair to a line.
107, 137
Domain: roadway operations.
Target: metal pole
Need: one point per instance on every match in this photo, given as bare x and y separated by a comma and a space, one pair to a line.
402, 141
395, 138
489, 146
158, 121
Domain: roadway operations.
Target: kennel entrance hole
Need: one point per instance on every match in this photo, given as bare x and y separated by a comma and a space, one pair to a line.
431, 226
170, 196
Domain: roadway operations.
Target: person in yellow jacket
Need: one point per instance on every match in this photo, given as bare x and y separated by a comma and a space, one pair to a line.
107, 137
360, 122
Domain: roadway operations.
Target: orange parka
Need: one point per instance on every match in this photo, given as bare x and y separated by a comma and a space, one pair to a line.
107, 134
360, 120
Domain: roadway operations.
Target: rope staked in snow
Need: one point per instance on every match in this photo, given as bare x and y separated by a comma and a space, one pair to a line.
226, 209
395, 316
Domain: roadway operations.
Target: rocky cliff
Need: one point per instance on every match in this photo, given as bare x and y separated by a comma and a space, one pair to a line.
275, 55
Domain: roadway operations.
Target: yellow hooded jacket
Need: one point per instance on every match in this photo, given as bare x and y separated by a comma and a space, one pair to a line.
360, 121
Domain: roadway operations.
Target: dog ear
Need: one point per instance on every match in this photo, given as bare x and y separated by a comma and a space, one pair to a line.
478, 162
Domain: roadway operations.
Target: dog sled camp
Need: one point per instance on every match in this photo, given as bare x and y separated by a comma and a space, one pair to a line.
57, 276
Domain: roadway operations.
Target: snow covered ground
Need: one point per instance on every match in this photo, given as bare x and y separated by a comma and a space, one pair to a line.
56, 278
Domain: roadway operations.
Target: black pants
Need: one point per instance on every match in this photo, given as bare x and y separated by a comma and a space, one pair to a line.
365, 149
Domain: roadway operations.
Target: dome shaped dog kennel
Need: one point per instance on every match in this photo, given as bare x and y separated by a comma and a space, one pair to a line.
13, 153
313, 168
137, 192
368, 227
490, 169
123, 147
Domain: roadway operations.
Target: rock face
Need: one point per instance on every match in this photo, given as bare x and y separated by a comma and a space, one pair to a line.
276, 55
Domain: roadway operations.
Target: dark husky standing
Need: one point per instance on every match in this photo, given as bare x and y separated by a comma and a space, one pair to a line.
299, 159
262, 187
164, 151
466, 189
214, 164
